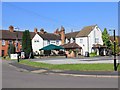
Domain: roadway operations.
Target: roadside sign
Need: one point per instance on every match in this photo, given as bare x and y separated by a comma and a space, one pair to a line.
13, 56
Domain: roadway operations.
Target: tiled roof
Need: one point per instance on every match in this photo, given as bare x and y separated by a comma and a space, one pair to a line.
71, 46
85, 31
71, 35
82, 33
98, 46
7, 35
50, 36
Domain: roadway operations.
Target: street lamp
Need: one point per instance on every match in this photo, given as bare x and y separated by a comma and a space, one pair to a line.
115, 66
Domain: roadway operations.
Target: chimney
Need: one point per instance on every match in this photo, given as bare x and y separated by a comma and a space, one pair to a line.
57, 32
62, 33
42, 31
11, 28
35, 30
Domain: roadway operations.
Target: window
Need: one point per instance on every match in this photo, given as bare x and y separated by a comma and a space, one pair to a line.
36, 41
71, 40
48, 42
53, 42
81, 40
3, 42
3, 53
57, 42
10, 42
96, 40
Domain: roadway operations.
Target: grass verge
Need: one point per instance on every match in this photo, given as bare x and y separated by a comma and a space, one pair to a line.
78, 67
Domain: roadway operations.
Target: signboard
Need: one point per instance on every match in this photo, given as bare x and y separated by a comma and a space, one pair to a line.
13, 56
22, 55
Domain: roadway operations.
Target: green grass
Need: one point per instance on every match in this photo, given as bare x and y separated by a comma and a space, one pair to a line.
6, 58
78, 67
93, 54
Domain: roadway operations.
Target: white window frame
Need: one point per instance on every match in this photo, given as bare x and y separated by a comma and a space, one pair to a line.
81, 41
96, 40
3, 42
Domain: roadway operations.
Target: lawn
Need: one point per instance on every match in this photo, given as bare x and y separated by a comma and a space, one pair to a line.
79, 67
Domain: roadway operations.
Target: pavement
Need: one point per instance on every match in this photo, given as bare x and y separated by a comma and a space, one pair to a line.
27, 68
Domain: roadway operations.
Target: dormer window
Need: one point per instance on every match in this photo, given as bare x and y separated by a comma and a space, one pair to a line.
71, 40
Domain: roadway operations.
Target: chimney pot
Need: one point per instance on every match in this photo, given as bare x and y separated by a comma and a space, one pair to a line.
62, 32
42, 31
57, 32
35, 30
11, 28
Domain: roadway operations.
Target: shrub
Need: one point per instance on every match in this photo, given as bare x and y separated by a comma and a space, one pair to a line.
93, 54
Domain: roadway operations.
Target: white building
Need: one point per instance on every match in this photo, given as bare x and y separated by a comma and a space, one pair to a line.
86, 38
42, 39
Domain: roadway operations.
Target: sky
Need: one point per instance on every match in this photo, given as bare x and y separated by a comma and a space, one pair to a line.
73, 16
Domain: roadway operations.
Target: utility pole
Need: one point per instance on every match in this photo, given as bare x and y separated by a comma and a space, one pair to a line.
115, 67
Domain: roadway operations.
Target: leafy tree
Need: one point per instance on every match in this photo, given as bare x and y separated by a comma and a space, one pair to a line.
117, 46
26, 44
11, 49
106, 38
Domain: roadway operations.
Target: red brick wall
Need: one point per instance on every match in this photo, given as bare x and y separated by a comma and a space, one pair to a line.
0, 47
5, 47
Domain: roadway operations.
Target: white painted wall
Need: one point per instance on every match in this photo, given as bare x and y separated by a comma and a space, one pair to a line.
96, 33
90, 40
82, 44
66, 41
37, 43
71, 40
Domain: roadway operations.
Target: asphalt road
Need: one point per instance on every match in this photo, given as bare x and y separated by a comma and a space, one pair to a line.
13, 78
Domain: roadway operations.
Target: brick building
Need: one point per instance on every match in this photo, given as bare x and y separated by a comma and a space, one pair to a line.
11, 36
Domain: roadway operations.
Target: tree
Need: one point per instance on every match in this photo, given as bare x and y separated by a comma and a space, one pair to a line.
11, 49
26, 44
117, 46
106, 38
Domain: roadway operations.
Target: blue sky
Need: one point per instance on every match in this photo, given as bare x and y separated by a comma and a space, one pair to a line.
51, 15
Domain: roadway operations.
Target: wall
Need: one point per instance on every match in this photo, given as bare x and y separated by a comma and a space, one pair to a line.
5, 47
84, 44
37, 43
96, 33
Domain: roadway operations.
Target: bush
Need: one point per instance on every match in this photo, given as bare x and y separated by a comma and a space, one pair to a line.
27, 45
11, 49
93, 54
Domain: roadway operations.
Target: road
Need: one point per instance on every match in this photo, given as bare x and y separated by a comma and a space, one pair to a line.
13, 78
